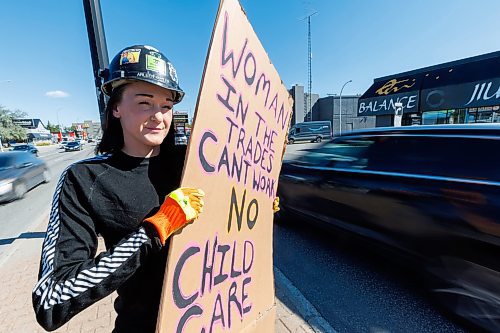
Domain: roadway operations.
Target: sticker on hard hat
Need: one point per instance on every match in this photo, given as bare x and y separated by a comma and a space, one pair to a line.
156, 64
130, 56
150, 76
173, 73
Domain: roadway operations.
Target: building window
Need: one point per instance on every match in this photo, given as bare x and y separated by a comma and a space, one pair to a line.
457, 116
490, 114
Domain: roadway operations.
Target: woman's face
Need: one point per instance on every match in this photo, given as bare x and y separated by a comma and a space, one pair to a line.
145, 113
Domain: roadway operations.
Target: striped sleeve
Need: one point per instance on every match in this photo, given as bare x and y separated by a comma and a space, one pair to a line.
71, 276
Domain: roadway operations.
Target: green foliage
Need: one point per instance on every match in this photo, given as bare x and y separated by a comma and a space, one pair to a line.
52, 128
8, 130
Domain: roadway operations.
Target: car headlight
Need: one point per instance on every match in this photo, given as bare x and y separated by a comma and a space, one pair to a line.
6, 185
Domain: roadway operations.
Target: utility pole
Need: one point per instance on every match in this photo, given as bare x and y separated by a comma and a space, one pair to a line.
309, 64
340, 107
98, 51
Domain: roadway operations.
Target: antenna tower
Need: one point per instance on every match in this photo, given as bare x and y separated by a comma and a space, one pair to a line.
309, 65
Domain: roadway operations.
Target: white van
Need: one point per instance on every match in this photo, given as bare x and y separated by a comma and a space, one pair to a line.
314, 131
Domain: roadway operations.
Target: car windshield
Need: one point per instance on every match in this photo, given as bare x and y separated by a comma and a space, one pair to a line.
340, 154
72, 144
21, 147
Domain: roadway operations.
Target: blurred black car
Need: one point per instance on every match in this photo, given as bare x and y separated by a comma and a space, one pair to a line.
20, 172
73, 146
26, 147
431, 193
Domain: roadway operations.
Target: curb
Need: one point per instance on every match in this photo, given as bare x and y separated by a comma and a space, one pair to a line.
14, 246
304, 308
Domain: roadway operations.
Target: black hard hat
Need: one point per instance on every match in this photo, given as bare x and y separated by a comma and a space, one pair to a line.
143, 63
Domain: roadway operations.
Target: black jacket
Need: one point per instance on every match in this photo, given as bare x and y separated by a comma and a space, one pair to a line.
107, 196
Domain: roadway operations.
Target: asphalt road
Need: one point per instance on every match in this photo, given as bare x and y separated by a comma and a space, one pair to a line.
18, 216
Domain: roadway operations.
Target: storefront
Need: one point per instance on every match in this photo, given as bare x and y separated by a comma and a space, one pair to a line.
458, 92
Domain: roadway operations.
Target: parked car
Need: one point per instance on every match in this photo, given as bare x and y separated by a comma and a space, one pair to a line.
19, 172
430, 193
73, 146
312, 131
181, 139
26, 147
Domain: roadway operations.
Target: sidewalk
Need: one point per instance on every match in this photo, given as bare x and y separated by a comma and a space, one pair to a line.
18, 275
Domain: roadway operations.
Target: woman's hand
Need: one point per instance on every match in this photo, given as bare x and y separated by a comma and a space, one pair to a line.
180, 207
276, 204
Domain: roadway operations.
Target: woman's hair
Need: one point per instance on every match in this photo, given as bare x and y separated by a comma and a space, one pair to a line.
112, 137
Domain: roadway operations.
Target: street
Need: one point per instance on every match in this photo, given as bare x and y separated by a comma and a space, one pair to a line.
353, 288
19, 215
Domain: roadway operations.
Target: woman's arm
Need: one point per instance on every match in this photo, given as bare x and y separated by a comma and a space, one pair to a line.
71, 276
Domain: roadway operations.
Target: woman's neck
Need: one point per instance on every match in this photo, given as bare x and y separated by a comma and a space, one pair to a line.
144, 152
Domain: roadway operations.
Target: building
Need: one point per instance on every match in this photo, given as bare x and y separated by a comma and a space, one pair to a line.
301, 107
35, 129
94, 129
88, 129
181, 120
327, 108
457, 92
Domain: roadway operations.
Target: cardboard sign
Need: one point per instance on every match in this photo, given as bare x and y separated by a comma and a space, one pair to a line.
219, 273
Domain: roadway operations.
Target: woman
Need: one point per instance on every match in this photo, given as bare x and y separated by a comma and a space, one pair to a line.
119, 196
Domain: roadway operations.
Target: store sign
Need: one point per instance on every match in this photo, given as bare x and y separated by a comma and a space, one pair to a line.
385, 105
482, 92
466, 95
394, 86
23, 122
180, 118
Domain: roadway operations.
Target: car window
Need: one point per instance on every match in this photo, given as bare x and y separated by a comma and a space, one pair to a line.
340, 153
6, 161
24, 158
470, 158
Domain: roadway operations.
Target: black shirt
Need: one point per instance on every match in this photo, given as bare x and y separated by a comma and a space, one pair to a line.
108, 196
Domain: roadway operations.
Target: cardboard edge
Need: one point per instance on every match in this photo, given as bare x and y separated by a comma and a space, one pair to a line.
207, 59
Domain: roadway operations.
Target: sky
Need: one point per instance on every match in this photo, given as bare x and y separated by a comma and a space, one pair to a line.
46, 70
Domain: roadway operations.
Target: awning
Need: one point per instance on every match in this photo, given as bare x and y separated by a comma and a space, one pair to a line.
459, 84
468, 85
39, 136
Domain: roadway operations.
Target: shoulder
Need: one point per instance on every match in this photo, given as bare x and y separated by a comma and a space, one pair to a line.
96, 162
86, 170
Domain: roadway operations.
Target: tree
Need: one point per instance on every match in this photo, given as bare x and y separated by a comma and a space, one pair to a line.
71, 128
8, 130
52, 128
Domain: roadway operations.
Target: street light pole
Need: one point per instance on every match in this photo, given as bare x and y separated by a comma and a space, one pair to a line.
340, 107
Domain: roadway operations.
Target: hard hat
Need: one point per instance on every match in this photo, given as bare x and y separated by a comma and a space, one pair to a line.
142, 63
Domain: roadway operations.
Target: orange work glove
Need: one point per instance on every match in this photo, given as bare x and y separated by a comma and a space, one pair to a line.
276, 205
179, 208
